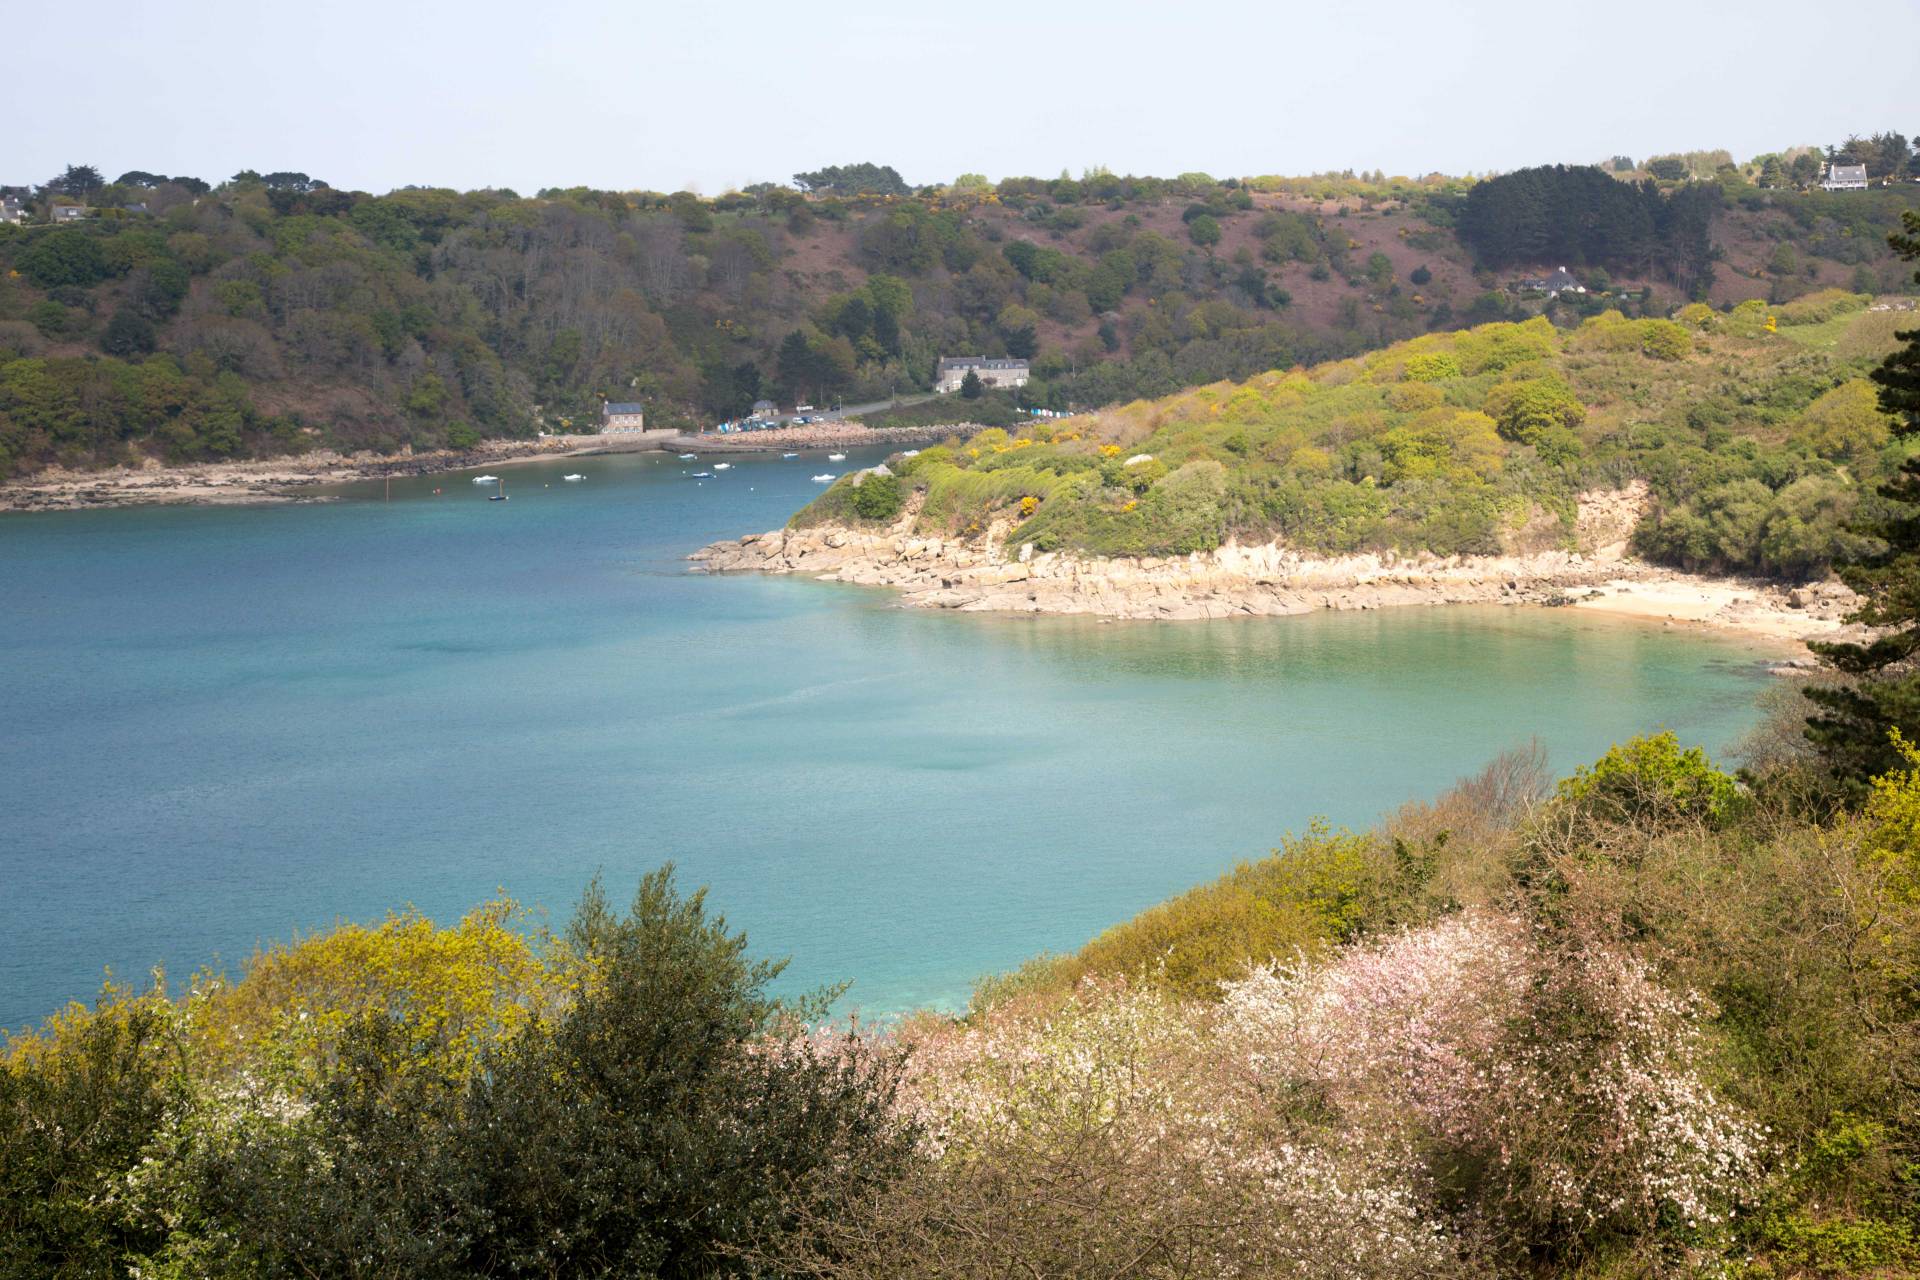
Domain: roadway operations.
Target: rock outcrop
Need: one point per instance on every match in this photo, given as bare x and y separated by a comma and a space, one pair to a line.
1269, 579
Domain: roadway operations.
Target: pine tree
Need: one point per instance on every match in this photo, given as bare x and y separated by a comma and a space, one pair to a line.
1882, 686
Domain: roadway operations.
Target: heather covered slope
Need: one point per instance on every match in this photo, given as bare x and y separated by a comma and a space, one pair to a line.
1755, 432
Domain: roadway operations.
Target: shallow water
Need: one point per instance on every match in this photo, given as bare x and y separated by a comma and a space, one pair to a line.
219, 727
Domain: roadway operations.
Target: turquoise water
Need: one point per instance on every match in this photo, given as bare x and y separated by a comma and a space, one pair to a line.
219, 727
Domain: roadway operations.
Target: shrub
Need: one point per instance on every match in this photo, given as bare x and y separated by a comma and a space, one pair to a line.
1845, 422
877, 496
79, 1103
1665, 340
1525, 411
1432, 367
1115, 1133
1651, 780
128, 334
1560, 1093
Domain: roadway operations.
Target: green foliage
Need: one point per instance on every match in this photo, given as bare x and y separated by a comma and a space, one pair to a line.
1651, 780
1432, 367
442, 1104
128, 334
1319, 889
1526, 410
1580, 215
67, 256
79, 1104
877, 497
1880, 692
853, 180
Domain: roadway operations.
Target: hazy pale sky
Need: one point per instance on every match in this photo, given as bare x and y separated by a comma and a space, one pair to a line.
373, 94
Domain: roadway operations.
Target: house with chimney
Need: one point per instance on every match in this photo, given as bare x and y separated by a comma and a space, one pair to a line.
621, 416
1845, 177
996, 372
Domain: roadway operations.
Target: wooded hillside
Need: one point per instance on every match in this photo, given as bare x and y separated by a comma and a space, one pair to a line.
276, 314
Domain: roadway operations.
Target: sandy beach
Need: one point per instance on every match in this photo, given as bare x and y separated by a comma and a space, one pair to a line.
1235, 580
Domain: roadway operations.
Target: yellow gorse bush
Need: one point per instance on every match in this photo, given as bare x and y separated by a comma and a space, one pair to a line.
452, 989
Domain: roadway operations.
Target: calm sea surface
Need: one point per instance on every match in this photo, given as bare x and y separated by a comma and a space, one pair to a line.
222, 727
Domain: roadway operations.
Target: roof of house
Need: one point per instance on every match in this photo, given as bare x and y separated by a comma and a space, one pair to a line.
1847, 173
625, 406
980, 362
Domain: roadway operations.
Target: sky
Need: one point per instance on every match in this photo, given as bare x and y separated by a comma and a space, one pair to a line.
374, 94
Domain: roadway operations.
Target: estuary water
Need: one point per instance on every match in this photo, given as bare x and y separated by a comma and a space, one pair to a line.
223, 727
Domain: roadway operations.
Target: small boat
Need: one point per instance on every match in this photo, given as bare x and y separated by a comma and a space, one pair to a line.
572, 478
701, 475
688, 457
825, 479
500, 496
486, 479
722, 466
789, 455
836, 457
910, 453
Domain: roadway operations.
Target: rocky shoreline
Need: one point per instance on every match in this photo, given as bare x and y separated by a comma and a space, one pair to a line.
1265, 580
290, 479
298, 477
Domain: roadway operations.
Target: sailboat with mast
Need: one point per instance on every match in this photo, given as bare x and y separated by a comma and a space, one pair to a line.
500, 495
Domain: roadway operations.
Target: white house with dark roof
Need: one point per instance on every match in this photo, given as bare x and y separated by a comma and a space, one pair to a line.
1561, 281
71, 212
996, 372
622, 416
1845, 177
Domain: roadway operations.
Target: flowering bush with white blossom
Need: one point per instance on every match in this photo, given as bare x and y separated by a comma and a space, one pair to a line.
1569, 1081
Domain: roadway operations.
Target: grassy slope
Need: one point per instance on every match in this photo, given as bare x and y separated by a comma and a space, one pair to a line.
1473, 441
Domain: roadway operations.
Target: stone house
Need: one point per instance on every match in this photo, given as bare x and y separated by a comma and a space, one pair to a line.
995, 372
622, 416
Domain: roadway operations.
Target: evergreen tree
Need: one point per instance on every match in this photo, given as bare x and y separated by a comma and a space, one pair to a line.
971, 386
1882, 691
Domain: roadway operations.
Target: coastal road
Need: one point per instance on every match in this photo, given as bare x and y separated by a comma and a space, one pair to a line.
856, 410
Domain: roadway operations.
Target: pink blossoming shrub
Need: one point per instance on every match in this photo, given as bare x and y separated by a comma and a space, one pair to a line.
1108, 1135
1562, 1092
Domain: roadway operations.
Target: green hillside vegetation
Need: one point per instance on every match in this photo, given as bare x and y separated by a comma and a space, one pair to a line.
274, 313
1652, 1020
1757, 431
